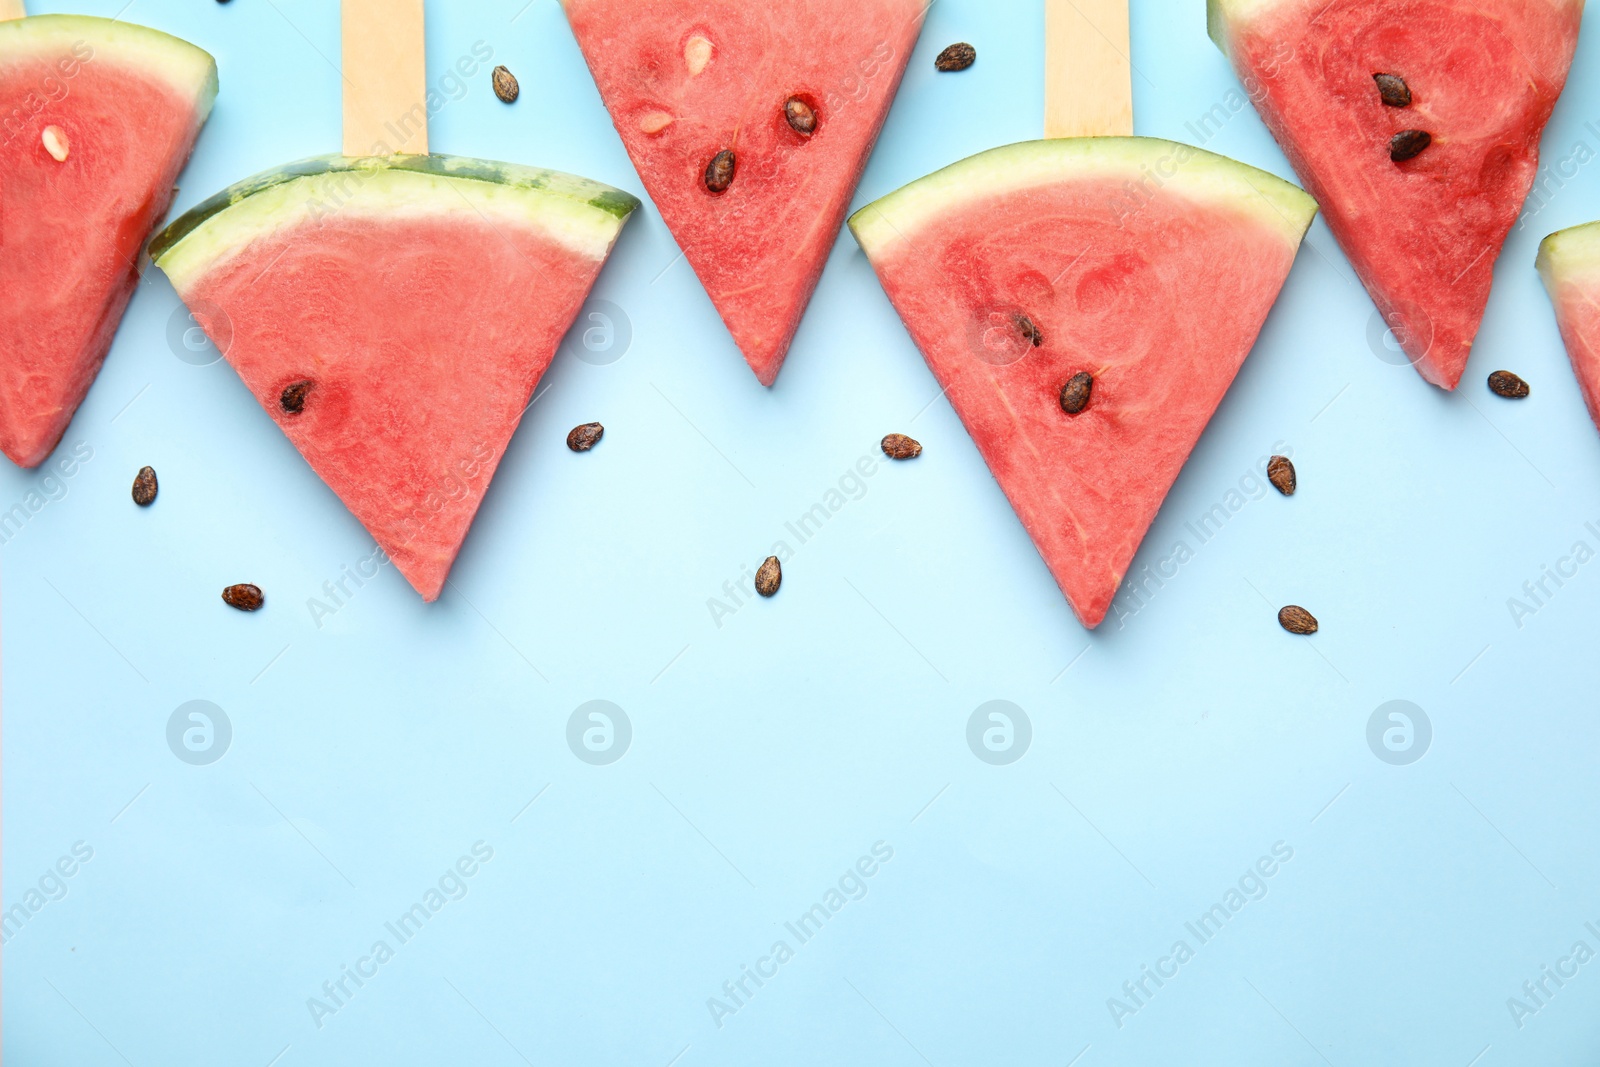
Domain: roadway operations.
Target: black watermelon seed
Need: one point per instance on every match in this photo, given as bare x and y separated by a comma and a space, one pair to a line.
1408, 144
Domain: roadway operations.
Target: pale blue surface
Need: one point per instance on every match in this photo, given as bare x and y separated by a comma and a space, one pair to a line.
772, 752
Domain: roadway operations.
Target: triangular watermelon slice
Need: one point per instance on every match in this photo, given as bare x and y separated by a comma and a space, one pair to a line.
1422, 218
97, 118
393, 316
687, 80
1569, 262
1085, 303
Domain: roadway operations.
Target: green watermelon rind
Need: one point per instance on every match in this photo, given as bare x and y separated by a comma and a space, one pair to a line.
1220, 14
1575, 250
1204, 177
190, 70
290, 194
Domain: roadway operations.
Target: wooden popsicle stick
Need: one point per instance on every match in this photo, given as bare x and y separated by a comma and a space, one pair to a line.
1088, 76
385, 77
12, 9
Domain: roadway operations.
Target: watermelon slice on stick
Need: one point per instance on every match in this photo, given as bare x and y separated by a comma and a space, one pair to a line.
750, 123
97, 119
1086, 300
1569, 262
1415, 124
393, 312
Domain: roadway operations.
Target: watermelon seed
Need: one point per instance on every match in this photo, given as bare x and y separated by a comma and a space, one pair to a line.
696, 54
293, 398
145, 487
1280, 472
1297, 620
244, 597
505, 85
1029, 331
1504, 383
769, 577
582, 438
655, 121
802, 117
719, 172
55, 142
1393, 89
899, 446
1075, 394
1408, 144
957, 57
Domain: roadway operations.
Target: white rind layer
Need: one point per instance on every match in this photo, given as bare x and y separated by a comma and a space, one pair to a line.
1207, 179
560, 208
190, 71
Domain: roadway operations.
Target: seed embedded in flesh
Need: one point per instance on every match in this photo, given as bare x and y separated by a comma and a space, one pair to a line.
1504, 383
582, 438
958, 56
1408, 144
769, 577
505, 85
696, 54
293, 398
1393, 89
1030, 332
899, 446
1297, 620
802, 117
1280, 472
245, 597
719, 172
55, 142
655, 121
1075, 394
145, 487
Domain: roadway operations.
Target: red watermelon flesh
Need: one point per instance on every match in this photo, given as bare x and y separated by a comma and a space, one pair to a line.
687, 79
393, 317
1569, 262
128, 103
1146, 264
1422, 234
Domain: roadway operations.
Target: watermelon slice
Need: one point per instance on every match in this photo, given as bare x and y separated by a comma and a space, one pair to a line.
120, 106
1120, 278
1569, 262
686, 80
1479, 77
393, 316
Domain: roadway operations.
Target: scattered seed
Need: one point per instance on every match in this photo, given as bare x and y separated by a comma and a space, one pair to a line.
719, 172
55, 142
1075, 394
1393, 89
1280, 472
956, 57
505, 85
1297, 620
293, 398
655, 121
899, 446
582, 438
244, 597
802, 117
769, 577
696, 54
1029, 331
1408, 144
145, 487
1504, 383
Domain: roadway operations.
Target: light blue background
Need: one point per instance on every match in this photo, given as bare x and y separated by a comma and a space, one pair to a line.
768, 754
